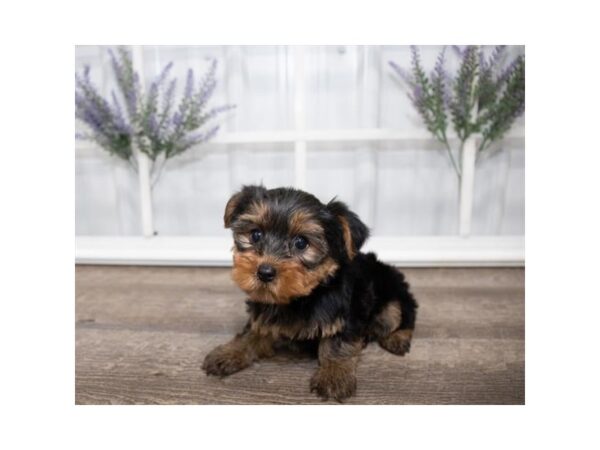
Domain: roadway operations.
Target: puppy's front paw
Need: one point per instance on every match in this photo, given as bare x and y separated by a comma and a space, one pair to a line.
225, 361
333, 381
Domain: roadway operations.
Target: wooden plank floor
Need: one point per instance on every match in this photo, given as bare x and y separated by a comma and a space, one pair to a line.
142, 333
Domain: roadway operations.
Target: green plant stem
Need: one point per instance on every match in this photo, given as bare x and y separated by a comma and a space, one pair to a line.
481, 147
157, 172
449, 149
132, 163
484, 141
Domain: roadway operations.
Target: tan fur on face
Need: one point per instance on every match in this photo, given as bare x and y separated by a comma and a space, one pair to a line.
347, 237
256, 216
257, 213
292, 279
295, 280
302, 222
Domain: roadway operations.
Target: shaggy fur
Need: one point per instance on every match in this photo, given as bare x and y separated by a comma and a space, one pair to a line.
299, 263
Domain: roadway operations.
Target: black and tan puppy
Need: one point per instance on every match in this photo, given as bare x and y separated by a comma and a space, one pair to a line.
298, 261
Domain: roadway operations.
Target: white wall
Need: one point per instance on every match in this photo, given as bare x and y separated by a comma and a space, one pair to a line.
400, 188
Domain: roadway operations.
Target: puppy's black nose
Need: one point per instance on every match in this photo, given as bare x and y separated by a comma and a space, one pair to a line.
266, 272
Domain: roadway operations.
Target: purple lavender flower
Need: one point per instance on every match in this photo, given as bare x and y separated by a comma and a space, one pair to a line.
90, 105
489, 65
105, 122
208, 85
165, 72
441, 80
505, 73
153, 126
156, 130
416, 96
189, 85
458, 51
168, 99
416, 56
118, 114
403, 74
127, 80
463, 101
215, 111
177, 120
180, 118
499, 99
497, 54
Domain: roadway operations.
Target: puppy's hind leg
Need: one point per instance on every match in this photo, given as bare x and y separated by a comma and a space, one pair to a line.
395, 324
397, 342
386, 329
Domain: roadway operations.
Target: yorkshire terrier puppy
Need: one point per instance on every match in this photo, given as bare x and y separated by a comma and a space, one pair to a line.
298, 261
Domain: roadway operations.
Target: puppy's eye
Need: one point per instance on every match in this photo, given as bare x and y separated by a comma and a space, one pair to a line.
256, 235
300, 242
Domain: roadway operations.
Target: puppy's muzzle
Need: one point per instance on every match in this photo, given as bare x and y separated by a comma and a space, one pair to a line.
266, 273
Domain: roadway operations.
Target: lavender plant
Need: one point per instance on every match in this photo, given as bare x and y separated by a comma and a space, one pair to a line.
481, 98
150, 121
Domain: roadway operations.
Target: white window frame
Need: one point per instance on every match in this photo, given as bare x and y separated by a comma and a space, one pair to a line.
460, 250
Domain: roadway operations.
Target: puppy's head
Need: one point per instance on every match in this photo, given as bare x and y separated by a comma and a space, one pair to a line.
287, 242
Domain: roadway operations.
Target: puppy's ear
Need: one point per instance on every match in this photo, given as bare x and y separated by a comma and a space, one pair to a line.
354, 231
240, 200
